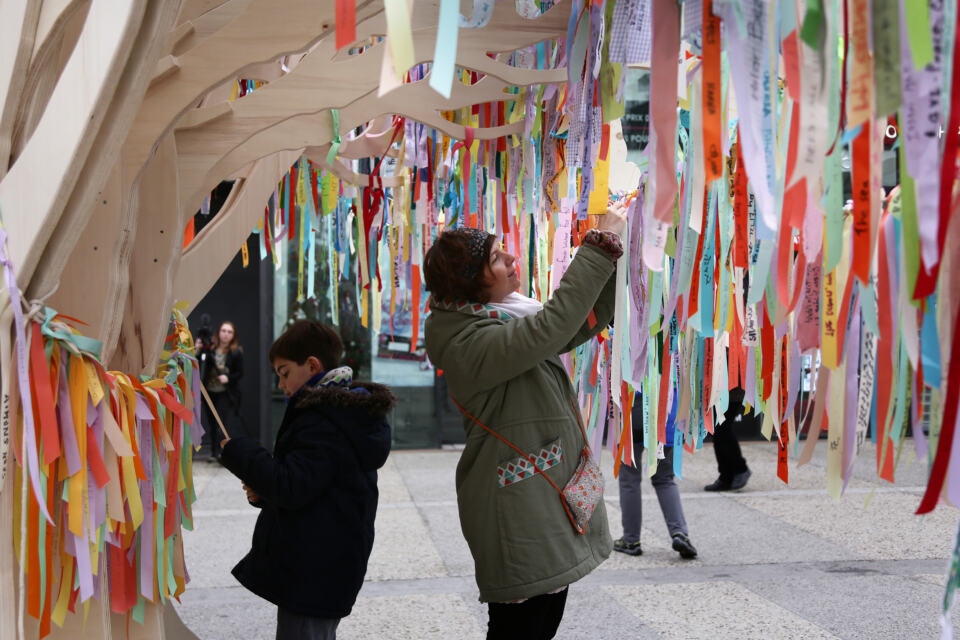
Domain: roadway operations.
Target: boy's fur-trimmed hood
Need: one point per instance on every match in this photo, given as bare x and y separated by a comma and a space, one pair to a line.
359, 411
377, 400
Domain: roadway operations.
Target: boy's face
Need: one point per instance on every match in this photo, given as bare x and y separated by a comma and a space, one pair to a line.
291, 376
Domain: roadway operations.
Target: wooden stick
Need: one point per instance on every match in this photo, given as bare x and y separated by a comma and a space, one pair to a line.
213, 410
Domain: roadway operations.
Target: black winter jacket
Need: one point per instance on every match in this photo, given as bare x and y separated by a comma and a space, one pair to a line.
318, 495
234, 364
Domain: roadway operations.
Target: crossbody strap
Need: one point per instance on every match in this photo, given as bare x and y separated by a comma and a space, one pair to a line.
576, 412
526, 456
531, 458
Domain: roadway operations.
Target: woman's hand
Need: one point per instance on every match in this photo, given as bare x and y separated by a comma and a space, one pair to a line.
615, 219
223, 378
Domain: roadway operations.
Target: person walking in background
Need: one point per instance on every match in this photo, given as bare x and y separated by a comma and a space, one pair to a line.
222, 380
499, 352
665, 484
317, 491
203, 348
731, 464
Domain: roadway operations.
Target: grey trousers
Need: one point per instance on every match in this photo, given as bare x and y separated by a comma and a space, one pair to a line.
293, 626
668, 494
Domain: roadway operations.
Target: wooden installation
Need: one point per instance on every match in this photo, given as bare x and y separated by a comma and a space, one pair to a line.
745, 268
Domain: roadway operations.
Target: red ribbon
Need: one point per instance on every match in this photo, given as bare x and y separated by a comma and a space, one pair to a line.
346, 13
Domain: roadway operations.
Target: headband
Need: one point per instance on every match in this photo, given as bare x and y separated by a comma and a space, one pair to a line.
476, 241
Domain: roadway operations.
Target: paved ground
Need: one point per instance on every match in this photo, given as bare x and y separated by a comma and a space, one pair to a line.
775, 561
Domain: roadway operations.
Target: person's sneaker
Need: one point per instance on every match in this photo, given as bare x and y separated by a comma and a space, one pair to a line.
629, 548
683, 546
740, 480
718, 485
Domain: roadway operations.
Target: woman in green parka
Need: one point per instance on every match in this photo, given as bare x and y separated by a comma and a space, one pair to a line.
499, 352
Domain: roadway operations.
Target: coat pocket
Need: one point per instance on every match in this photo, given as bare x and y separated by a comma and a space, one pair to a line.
517, 469
534, 533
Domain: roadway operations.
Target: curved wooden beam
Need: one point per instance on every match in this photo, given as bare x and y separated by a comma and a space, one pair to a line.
49, 58
318, 156
264, 31
414, 100
18, 31
64, 136
118, 115
322, 79
231, 140
192, 9
215, 246
207, 23
155, 239
53, 15
371, 142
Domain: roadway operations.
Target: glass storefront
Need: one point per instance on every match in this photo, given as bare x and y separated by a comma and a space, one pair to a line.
385, 355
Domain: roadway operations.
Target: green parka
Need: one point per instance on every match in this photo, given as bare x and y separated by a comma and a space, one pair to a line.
507, 374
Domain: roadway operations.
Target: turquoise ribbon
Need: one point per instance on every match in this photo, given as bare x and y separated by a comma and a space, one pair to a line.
82, 343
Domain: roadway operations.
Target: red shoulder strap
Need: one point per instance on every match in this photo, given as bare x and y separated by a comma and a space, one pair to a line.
533, 459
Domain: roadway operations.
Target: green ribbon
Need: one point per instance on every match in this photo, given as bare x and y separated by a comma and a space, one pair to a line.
335, 143
812, 30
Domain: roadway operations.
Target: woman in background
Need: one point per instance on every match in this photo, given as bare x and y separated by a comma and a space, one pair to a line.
222, 380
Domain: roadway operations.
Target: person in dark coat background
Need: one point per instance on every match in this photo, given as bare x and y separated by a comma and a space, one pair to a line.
318, 491
203, 342
224, 370
731, 464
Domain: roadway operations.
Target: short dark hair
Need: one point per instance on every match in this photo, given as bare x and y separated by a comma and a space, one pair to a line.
445, 265
307, 338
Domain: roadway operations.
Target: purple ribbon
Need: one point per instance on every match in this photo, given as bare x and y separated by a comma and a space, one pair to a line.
71, 448
29, 430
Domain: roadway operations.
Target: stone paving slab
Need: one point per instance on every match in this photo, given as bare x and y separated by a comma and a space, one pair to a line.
412, 617
885, 607
776, 561
885, 528
402, 548
715, 611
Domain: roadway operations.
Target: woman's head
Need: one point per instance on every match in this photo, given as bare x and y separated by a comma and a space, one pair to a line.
466, 264
227, 338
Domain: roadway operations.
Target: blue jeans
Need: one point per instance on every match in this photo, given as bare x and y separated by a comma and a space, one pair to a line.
293, 626
668, 494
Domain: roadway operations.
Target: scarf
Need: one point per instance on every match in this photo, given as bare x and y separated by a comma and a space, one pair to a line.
517, 305
340, 377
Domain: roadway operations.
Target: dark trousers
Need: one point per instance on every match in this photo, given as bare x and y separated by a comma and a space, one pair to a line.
293, 626
226, 407
668, 494
726, 448
533, 619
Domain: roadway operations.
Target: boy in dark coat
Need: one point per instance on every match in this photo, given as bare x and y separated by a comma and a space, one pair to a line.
318, 491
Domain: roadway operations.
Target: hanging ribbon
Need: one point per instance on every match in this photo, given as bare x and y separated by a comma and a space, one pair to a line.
335, 142
445, 50
23, 379
346, 16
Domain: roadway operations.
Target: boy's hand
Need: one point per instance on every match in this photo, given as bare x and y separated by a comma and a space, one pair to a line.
251, 495
222, 378
224, 442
